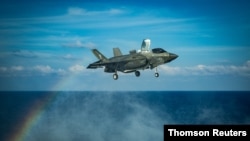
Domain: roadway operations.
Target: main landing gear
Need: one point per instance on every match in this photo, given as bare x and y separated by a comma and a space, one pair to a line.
137, 74
115, 76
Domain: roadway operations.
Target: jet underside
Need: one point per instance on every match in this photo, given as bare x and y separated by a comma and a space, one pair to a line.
125, 64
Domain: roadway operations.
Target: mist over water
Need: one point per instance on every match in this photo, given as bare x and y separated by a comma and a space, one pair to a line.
140, 116
100, 117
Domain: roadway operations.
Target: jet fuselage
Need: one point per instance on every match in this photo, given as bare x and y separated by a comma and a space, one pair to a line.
134, 61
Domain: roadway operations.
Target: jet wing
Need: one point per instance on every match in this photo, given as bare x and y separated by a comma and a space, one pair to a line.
113, 62
101, 64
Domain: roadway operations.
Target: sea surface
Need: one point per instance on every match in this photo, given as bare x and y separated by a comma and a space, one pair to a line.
113, 116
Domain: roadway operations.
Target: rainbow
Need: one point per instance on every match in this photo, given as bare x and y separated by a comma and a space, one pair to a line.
38, 108
34, 113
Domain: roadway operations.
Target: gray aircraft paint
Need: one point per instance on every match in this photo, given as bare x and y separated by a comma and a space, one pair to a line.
134, 61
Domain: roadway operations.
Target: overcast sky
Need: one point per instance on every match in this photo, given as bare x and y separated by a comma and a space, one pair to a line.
46, 45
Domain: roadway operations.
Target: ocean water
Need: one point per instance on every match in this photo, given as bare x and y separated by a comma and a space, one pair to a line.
112, 116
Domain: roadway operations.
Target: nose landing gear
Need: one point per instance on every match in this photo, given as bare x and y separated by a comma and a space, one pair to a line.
156, 72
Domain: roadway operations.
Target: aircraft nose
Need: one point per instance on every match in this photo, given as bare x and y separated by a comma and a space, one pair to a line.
173, 56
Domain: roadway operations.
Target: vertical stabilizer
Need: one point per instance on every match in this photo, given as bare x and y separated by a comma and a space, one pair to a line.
145, 46
99, 55
117, 52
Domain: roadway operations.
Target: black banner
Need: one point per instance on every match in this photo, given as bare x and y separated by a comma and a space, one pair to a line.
172, 132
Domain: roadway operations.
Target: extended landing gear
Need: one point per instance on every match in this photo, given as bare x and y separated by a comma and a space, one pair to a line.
156, 72
137, 73
115, 76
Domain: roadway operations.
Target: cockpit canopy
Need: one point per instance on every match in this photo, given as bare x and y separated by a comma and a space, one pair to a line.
158, 50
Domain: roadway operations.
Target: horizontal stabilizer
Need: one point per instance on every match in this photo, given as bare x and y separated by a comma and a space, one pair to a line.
117, 52
91, 66
95, 65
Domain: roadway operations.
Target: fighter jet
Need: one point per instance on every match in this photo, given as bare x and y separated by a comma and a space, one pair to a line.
134, 61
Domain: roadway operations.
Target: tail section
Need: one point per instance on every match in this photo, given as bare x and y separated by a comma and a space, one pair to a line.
99, 55
117, 52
